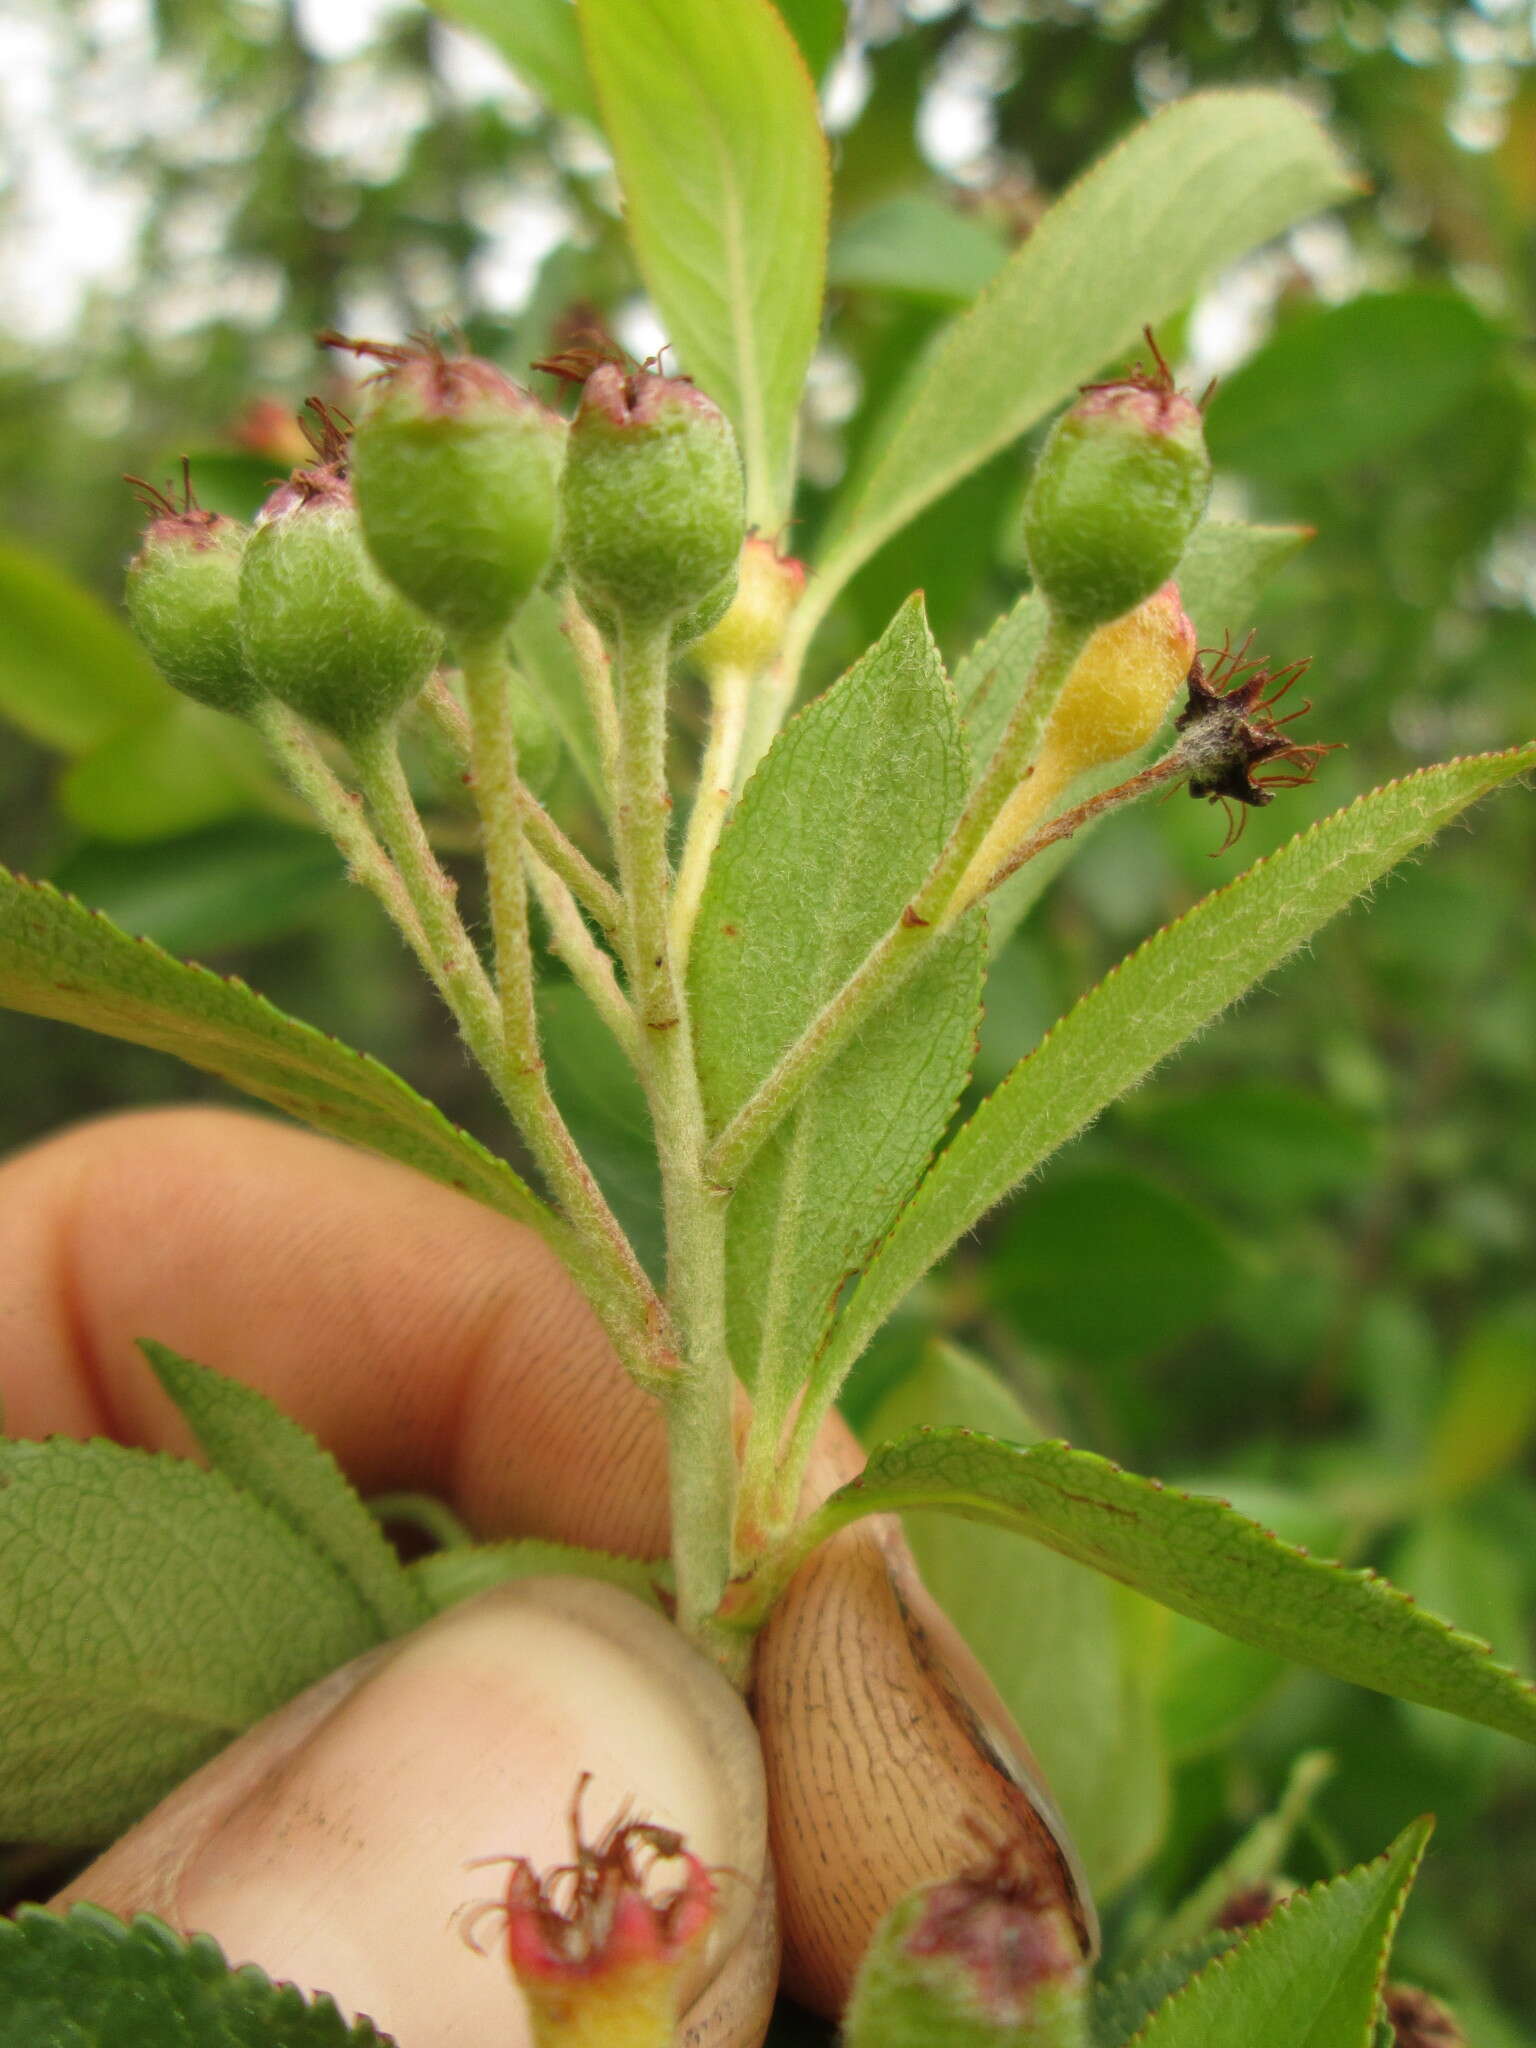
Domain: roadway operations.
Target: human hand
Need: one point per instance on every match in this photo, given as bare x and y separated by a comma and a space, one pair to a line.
430, 1344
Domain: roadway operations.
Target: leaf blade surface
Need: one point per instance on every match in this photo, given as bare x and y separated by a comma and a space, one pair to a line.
1160, 995
60, 960
714, 125
1197, 1556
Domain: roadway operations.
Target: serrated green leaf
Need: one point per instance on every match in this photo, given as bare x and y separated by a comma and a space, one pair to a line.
149, 1611
1347, 384
1197, 1556
1075, 1678
1124, 2003
834, 832
540, 40
1212, 1685
267, 1455
1453, 1566
58, 959
71, 674
714, 125
1186, 193
82, 1979
1309, 1976
1159, 996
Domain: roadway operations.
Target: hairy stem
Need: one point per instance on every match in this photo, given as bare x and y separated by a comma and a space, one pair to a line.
931, 912
590, 967
465, 981
698, 1402
590, 888
729, 693
340, 812
522, 1079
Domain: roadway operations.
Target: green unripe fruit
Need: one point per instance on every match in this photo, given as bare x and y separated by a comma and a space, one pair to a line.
456, 473
183, 598
652, 498
971, 1963
1120, 486
321, 629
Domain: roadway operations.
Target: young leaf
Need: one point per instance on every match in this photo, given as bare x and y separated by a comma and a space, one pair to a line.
713, 121
1309, 1976
149, 1611
836, 829
1186, 193
539, 39
85, 1979
58, 959
268, 1456
71, 674
1160, 995
1198, 1557
1078, 1678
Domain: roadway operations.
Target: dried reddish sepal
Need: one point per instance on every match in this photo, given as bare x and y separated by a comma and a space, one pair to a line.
178, 517
438, 383
1231, 732
1419, 2021
604, 1913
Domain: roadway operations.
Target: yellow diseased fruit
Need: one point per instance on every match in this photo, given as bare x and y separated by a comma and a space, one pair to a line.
1116, 698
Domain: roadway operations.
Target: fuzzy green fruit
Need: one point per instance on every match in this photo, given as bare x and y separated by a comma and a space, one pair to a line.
183, 598
321, 629
652, 498
456, 473
1120, 486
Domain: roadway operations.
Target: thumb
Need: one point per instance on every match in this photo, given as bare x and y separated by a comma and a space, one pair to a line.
334, 1843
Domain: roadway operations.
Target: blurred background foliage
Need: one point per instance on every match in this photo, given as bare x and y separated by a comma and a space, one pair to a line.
1297, 1266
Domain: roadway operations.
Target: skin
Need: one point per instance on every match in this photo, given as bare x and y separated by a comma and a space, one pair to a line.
431, 1344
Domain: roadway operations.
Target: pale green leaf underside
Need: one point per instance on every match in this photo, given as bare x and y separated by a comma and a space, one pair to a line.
81, 1979
713, 121
58, 959
1309, 1976
148, 1612
1185, 194
1163, 993
833, 834
539, 39
269, 1456
1197, 1556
